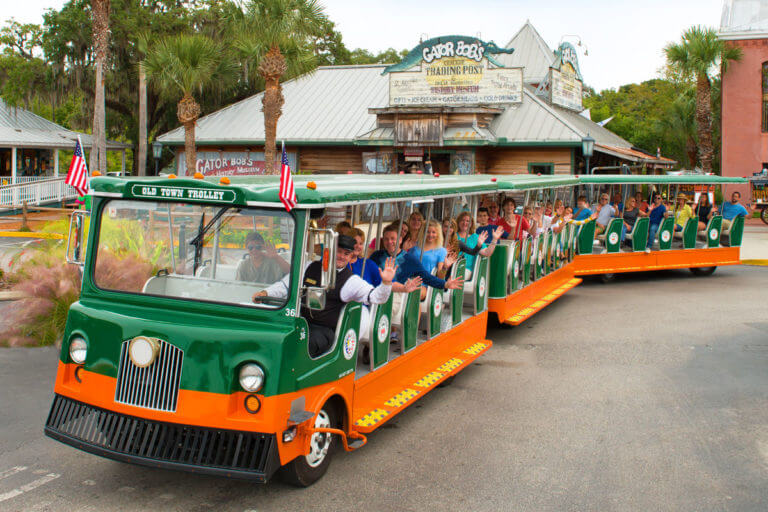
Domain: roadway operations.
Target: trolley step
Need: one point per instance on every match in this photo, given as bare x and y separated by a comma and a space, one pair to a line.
380, 399
534, 307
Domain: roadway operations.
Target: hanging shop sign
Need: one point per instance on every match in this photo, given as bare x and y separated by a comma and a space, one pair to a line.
231, 163
566, 83
454, 70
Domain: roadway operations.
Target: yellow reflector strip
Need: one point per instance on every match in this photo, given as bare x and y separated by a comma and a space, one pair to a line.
475, 349
401, 398
372, 418
450, 364
428, 379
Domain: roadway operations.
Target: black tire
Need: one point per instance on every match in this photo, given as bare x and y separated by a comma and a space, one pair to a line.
703, 271
607, 278
447, 382
305, 470
764, 215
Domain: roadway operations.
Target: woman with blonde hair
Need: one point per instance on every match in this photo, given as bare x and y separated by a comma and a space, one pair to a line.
433, 251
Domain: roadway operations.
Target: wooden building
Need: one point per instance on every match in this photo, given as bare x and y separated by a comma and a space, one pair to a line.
455, 104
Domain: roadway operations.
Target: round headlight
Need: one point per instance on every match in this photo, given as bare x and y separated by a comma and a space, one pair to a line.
251, 377
143, 351
78, 349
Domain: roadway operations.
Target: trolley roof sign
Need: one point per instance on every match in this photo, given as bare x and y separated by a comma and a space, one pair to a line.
454, 71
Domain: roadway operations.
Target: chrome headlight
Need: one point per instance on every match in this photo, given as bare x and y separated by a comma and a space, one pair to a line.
251, 377
78, 349
143, 351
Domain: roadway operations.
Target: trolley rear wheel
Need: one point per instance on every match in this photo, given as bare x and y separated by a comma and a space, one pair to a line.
703, 271
764, 215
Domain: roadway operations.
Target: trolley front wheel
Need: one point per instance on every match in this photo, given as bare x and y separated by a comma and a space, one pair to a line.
305, 470
764, 215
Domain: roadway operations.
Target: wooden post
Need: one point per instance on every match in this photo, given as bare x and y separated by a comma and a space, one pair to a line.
55, 163
13, 166
24, 225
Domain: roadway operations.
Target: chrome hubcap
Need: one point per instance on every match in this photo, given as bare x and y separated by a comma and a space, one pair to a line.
320, 442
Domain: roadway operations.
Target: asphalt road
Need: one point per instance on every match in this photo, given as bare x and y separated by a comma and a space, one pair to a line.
650, 393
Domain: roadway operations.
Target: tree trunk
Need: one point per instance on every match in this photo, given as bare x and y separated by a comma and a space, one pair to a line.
704, 122
271, 68
692, 151
141, 168
188, 111
100, 13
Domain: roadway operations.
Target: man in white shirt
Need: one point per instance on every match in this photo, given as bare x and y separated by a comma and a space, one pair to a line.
349, 288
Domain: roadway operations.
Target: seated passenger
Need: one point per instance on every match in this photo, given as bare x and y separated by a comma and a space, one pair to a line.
641, 203
415, 223
493, 213
631, 212
617, 203
348, 288
605, 212
434, 252
542, 220
732, 209
582, 211
261, 264
371, 272
549, 211
388, 250
704, 210
562, 215
470, 244
484, 225
528, 215
683, 212
516, 226
656, 212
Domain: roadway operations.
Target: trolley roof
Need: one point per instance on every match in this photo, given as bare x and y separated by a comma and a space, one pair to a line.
313, 191
698, 179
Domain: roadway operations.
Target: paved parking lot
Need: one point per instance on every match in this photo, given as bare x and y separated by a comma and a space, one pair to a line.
649, 393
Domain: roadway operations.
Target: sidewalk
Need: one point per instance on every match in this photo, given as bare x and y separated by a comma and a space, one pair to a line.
754, 245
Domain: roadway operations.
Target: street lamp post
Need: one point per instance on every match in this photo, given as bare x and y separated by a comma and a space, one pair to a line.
587, 149
157, 152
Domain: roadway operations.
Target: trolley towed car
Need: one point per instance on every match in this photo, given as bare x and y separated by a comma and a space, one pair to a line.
700, 247
167, 361
527, 275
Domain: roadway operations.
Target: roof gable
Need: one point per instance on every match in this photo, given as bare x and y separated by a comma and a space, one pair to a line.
531, 52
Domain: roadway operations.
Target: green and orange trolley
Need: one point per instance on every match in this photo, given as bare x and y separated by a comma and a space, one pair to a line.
167, 362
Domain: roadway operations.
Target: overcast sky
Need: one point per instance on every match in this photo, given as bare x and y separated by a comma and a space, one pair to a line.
624, 38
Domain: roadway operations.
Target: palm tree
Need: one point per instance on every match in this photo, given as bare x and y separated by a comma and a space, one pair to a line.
273, 37
679, 125
142, 43
184, 65
100, 14
696, 56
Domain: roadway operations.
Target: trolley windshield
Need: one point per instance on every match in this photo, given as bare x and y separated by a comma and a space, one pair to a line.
196, 252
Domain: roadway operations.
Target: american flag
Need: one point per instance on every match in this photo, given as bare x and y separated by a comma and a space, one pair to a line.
77, 176
287, 193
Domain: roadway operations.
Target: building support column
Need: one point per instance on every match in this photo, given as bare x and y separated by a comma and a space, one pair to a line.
13, 166
55, 163
122, 163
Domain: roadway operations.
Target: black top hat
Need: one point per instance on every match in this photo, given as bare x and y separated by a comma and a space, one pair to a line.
346, 242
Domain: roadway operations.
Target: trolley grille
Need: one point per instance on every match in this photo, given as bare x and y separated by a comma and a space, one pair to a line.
154, 387
128, 438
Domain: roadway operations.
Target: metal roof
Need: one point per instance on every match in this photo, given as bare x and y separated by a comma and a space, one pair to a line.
21, 128
533, 121
531, 52
329, 105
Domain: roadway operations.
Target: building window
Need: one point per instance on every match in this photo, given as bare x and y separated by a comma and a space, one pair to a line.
541, 168
765, 97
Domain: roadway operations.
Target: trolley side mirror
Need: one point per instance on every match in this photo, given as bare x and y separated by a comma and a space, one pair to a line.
76, 243
314, 298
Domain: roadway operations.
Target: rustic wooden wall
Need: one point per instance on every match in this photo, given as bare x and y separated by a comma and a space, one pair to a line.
516, 160
313, 159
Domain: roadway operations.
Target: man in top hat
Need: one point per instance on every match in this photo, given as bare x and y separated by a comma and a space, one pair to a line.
349, 288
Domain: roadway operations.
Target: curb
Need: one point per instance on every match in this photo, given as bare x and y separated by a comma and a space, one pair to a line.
760, 263
11, 295
31, 234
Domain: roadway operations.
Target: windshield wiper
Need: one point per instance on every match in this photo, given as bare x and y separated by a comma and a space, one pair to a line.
199, 239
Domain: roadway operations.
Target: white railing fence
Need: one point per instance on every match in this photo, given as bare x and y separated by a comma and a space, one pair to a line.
36, 193
20, 180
